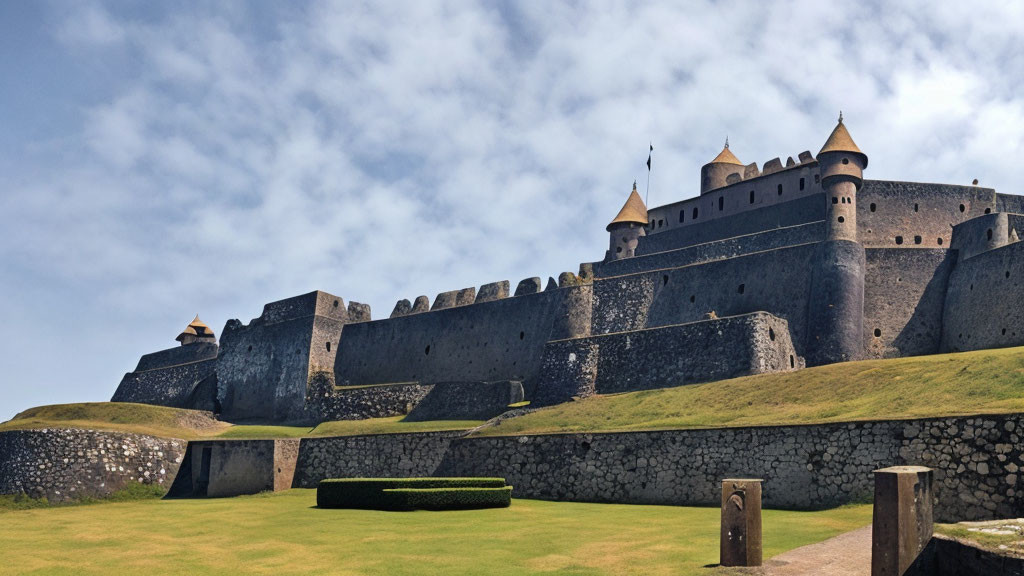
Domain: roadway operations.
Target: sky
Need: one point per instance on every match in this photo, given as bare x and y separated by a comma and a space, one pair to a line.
160, 160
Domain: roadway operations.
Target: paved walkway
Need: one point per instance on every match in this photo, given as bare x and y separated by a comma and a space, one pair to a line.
848, 554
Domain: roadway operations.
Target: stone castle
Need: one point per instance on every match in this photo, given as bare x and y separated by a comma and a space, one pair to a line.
798, 264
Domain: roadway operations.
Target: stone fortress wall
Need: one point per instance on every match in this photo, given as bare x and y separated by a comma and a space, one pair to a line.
836, 267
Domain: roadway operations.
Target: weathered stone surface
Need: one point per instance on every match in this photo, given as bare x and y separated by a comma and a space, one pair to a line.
465, 296
66, 464
528, 286
325, 402
566, 279
902, 522
421, 304
445, 300
358, 312
493, 291
221, 468
740, 540
384, 455
466, 400
402, 307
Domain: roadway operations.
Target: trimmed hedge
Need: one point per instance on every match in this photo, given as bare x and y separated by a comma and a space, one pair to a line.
413, 493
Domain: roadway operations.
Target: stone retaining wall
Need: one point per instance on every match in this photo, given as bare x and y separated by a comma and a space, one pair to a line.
381, 455
66, 464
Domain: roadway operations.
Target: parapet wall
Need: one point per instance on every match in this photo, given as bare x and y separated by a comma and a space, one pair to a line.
375, 456
776, 281
195, 352
67, 464
666, 356
717, 250
981, 234
891, 214
174, 386
982, 307
326, 403
489, 341
802, 210
904, 294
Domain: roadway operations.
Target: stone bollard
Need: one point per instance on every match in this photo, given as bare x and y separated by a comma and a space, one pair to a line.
741, 522
902, 523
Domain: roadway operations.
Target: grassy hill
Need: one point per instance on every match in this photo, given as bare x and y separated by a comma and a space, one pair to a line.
981, 382
195, 425
986, 381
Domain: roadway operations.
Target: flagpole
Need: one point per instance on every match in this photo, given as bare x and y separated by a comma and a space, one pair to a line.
647, 194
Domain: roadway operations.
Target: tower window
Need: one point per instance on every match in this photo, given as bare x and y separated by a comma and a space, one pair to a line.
682, 213
752, 195
328, 346
817, 178
779, 190
962, 208
872, 207
939, 241
741, 288
988, 210
877, 332
661, 223
721, 203
989, 233
899, 239
694, 217
846, 160
801, 185
835, 199
917, 239
915, 207
841, 219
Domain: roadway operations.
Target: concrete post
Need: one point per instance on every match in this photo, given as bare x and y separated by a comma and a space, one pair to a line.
741, 522
902, 523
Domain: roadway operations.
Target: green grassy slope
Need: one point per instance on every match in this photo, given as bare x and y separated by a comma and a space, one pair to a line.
284, 533
986, 381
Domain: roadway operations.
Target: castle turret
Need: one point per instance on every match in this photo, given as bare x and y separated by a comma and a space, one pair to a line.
627, 228
842, 167
196, 331
836, 312
715, 174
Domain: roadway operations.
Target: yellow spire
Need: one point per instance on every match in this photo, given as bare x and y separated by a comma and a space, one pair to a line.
840, 141
634, 210
726, 156
195, 328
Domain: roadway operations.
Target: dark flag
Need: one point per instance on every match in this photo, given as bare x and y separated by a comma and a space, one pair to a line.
649, 158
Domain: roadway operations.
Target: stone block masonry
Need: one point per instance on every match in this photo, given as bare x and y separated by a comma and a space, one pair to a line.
67, 464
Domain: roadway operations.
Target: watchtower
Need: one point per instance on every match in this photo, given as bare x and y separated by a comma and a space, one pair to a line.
627, 228
842, 167
715, 174
196, 331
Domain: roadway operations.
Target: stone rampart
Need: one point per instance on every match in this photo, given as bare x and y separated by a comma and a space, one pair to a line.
982, 302
717, 250
220, 468
802, 210
488, 341
174, 386
264, 367
666, 356
892, 214
195, 352
904, 292
67, 464
376, 456
466, 400
776, 281
326, 403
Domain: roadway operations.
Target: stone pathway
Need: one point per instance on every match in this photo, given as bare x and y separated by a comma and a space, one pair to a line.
848, 554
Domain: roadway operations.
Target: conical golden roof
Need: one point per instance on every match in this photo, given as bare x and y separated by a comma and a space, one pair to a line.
726, 157
634, 210
840, 141
195, 328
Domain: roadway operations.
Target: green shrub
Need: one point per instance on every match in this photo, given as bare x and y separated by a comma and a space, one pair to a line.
369, 493
446, 498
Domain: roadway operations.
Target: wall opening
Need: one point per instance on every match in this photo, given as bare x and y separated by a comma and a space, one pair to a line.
835, 199
917, 239
846, 160
335, 303
801, 186
1007, 273
522, 335
989, 233
664, 279
692, 298
682, 213
817, 178
694, 217
988, 210
841, 219
939, 240
661, 223
878, 333
618, 249
741, 288
915, 207
899, 239
792, 361
752, 194
426, 351
962, 208
721, 203
771, 335
328, 346
872, 206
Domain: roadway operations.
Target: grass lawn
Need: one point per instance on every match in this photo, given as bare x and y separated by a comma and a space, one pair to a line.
981, 382
284, 533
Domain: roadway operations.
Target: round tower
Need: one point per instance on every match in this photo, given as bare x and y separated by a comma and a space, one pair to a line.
715, 174
836, 311
627, 228
842, 167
